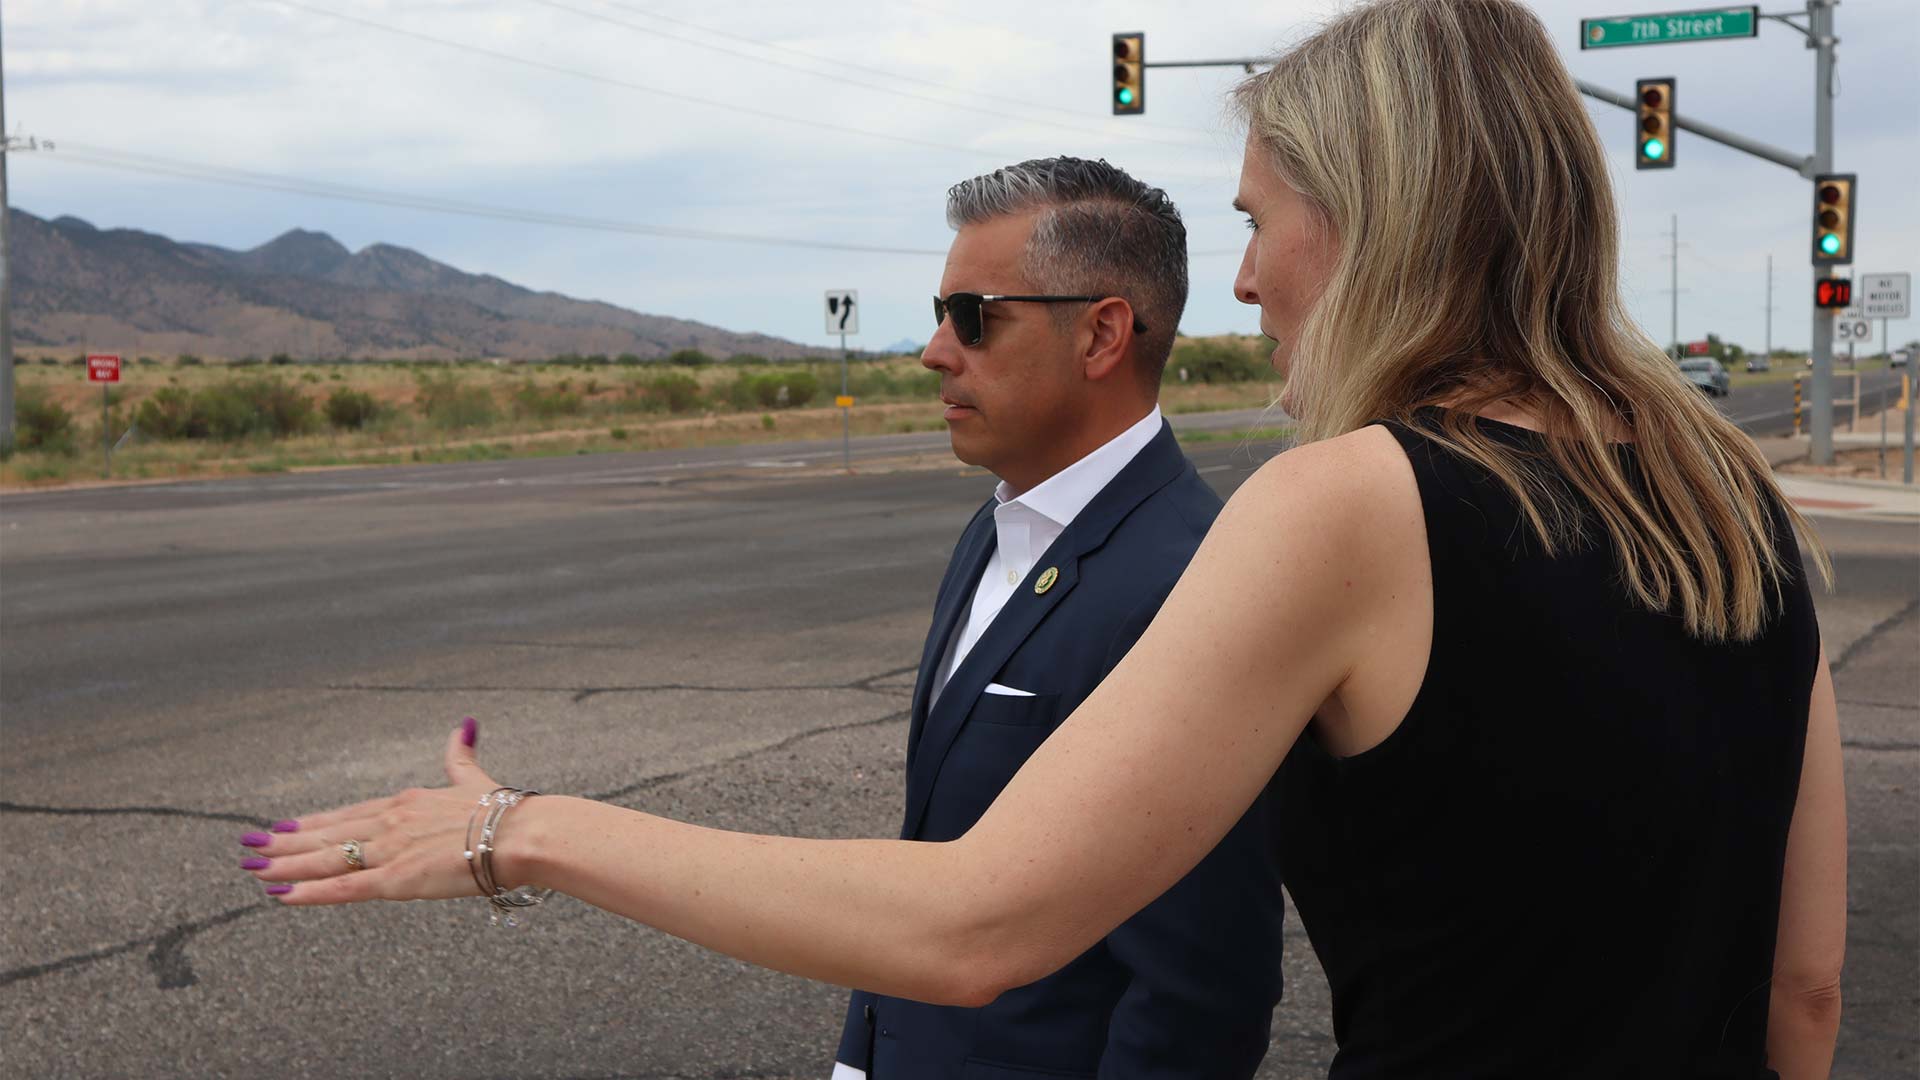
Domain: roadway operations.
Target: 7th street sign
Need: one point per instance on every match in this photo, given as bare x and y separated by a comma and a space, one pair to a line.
1712, 24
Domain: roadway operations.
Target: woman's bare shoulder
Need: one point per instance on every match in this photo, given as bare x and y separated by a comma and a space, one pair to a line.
1343, 512
1350, 480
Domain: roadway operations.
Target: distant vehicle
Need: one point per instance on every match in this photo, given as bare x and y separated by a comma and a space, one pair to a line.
1759, 363
1708, 375
1899, 359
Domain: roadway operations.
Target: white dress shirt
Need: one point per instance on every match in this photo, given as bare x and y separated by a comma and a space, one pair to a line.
1024, 527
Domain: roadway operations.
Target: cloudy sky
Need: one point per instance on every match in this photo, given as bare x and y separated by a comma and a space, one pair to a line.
838, 123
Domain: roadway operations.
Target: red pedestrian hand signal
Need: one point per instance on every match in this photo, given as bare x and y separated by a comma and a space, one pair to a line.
1832, 293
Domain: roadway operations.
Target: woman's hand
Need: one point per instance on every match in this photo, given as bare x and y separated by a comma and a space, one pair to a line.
412, 844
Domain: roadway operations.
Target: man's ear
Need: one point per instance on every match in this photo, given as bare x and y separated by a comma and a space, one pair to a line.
1108, 339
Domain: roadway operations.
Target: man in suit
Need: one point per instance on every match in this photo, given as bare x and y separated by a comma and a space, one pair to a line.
1057, 312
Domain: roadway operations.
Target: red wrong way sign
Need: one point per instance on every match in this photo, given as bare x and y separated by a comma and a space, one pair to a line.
1699, 348
103, 368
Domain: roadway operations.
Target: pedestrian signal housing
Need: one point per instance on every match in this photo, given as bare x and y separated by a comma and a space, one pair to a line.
1833, 219
1833, 292
1129, 74
1653, 129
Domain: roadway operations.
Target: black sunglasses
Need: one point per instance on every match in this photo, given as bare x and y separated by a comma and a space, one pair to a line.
970, 328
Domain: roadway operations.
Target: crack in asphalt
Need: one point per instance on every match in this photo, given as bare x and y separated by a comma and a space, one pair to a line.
156, 811
1878, 744
580, 694
168, 959
1873, 634
668, 778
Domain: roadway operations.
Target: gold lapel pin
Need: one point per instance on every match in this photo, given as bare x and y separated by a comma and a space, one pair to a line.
1047, 577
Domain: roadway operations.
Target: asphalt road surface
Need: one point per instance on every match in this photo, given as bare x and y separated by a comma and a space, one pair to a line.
723, 636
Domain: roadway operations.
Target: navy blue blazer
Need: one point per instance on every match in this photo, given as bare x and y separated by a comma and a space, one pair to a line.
1186, 987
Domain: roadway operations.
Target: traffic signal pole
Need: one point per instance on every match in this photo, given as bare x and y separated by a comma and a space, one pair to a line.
1819, 34
1820, 38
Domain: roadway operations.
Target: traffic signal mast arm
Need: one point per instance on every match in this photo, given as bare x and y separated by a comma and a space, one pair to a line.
1803, 165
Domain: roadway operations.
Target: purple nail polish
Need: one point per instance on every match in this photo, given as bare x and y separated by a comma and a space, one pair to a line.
279, 890
256, 839
469, 731
255, 863
286, 826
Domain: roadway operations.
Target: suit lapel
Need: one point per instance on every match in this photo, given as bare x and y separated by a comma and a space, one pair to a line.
1157, 464
969, 560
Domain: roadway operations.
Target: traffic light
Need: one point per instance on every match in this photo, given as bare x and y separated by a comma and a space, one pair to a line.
1834, 292
1653, 131
1833, 219
1129, 74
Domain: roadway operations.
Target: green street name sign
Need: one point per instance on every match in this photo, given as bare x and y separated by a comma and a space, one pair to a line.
1666, 28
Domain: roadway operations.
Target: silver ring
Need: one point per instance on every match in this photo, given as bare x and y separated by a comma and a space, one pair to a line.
356, 858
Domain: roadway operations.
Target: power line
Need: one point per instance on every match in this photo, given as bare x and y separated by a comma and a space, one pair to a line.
875, 72
609, 80
894, 91
102, 157
155, 165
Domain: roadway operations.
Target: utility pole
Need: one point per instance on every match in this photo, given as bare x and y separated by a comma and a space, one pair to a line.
6, 284
1674, 235
1769, 352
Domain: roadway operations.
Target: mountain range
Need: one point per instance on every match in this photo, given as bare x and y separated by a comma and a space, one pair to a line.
77, 287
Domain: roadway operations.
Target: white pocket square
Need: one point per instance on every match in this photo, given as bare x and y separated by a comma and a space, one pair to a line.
1007, 691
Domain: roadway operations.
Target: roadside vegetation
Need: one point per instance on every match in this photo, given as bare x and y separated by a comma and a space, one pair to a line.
189, 416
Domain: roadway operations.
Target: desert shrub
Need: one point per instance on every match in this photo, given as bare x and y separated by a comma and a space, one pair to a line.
187, 360
674, 391
49, 361
772, 389
280, 359
787, 389
1216, 362
448, 403
246, 361
238, 408
40, 423
168, 414
351, 409
626, 359
689, 358
747, 358
546, 403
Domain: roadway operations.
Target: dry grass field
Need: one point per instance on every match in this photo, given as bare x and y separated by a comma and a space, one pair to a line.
175, 420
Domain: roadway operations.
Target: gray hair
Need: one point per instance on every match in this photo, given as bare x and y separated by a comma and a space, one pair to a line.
1101, 232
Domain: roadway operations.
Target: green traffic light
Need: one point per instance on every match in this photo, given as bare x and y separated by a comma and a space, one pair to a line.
1126, 95
1830, 244
1654, 149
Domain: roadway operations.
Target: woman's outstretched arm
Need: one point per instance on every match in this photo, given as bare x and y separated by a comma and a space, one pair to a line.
1131, 791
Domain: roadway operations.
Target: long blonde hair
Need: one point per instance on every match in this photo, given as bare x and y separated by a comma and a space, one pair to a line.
1445, 147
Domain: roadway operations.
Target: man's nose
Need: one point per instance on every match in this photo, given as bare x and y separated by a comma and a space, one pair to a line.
943, 349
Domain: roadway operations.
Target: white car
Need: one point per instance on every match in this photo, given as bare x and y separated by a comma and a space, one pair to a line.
1899, 359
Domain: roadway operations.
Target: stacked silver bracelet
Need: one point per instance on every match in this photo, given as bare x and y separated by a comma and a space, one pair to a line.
505, 902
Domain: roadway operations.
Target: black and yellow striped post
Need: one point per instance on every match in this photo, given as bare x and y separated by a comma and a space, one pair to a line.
1796, 404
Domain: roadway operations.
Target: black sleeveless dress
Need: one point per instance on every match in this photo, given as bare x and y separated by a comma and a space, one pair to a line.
1566, 861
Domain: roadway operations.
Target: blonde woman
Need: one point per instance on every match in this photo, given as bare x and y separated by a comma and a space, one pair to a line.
1519, 638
